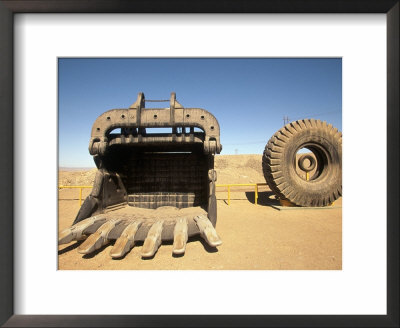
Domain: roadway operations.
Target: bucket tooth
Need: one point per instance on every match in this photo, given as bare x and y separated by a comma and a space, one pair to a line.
180, 236
76, 231
153, 239
99, 238
207, 231
126, 241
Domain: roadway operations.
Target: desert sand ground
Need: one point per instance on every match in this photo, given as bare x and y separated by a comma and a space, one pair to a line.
255, 237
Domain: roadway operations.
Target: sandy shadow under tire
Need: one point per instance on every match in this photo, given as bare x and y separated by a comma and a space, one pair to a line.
265, 198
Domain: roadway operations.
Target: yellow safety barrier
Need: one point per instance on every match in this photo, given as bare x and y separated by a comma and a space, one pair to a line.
241, 185
80, 191
218, 185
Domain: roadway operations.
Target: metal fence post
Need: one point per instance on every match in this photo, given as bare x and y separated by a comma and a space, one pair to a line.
80, 196
256, 194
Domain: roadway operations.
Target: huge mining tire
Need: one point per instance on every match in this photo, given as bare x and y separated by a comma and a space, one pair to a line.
281, 169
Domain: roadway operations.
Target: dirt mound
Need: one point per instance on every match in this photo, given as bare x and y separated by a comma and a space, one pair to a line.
76, 178
239, 169
230, 169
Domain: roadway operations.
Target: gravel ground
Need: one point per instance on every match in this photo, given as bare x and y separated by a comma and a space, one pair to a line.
255, 237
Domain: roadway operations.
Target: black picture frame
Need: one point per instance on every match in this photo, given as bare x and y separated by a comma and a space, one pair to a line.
10, 7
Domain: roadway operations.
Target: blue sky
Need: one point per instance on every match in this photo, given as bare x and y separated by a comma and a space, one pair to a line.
249, 97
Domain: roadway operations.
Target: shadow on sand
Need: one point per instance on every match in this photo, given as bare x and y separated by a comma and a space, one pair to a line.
265, 198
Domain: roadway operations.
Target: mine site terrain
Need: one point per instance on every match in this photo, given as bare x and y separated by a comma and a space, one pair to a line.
265, 236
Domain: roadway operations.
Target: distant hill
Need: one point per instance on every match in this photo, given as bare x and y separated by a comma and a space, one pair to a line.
230, 169
63, 168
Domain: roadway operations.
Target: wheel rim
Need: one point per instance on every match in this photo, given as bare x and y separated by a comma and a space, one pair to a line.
322, 162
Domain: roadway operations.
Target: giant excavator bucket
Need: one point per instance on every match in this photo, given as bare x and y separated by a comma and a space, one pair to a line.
155, 180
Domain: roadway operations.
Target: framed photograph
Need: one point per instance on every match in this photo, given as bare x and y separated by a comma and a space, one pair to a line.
49, 46
162, 168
